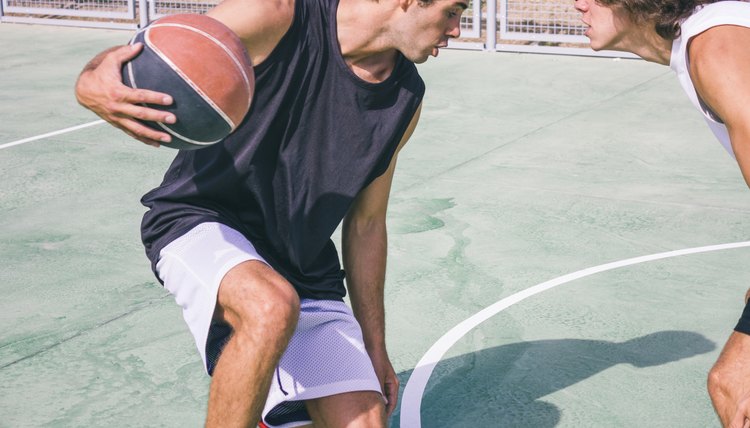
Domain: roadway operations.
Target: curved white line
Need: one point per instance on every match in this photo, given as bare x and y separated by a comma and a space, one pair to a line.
412, 398
50, 134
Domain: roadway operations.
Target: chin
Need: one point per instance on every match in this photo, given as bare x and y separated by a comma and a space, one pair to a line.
594, 45
416, 57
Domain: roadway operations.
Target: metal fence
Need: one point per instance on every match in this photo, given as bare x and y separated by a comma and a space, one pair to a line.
92, 13
548, 26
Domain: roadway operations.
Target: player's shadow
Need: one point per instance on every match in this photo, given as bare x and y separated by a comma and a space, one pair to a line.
501, 386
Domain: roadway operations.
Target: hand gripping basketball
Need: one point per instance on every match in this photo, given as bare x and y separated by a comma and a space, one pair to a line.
204, 66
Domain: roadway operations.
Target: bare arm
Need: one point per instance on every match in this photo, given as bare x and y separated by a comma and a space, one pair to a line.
364, 245
259, 23
720, 70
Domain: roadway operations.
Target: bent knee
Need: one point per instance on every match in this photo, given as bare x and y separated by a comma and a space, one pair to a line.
253, 294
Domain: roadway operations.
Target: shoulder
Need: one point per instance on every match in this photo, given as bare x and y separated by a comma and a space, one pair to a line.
248, 15
259, 23
719, 46
719, 60
716, 33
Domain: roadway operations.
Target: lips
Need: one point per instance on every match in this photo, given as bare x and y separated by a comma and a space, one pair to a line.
588, 28
437, 48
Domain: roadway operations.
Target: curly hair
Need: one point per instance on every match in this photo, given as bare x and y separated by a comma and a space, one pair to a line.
665, 14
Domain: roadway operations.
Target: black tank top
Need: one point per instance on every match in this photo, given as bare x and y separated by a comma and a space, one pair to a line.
315, 136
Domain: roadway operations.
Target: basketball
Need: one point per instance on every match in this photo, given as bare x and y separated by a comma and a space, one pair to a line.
204, 66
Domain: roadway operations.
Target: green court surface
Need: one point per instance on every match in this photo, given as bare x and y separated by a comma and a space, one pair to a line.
524, 169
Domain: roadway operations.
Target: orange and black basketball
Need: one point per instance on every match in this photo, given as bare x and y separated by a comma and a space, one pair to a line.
204, 66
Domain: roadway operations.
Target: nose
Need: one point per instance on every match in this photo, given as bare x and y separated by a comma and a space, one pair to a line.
581, 5
455, 30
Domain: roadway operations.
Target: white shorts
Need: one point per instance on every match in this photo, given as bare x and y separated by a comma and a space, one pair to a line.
326, 355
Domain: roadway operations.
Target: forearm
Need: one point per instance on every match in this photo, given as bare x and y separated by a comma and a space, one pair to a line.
729, 381
364, 256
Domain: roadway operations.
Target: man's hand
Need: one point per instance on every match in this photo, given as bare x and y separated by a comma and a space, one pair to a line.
387, 376
741, 418
100, 89
729, 382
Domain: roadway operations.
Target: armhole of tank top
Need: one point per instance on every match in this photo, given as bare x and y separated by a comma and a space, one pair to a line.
705, 109
293, 28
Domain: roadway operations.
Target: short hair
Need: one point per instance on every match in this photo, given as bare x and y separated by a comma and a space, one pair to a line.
666, 15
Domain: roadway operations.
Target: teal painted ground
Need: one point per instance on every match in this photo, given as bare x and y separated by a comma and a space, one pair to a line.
523, 168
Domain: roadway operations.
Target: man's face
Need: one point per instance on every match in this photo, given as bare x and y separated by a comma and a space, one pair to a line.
606, 24
429, 26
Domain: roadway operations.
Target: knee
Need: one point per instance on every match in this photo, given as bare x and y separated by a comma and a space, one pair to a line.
259, 303
275, 309
361, 409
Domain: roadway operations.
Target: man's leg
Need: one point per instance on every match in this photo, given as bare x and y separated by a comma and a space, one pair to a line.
262, 308
362, 409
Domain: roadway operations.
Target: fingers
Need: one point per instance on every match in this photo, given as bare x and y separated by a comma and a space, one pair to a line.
145, 96
390, 388
739, 421
129, 107
741, 418
136, 96
126, 53
143, 133
101, 90
128, 118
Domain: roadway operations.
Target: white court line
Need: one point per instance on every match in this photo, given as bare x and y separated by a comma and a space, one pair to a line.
411, 401
50, 134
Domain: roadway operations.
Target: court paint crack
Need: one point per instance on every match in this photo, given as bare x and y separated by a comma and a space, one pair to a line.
82, 332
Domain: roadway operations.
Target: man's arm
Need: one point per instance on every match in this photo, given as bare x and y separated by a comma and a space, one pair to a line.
720, 70
364, 252
259, 23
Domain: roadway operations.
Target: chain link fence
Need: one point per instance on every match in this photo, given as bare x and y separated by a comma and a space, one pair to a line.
549, 26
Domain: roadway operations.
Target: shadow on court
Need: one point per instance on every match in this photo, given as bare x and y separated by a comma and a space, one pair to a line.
504, 386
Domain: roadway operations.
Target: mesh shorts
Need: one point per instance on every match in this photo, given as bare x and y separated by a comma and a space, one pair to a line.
326, 354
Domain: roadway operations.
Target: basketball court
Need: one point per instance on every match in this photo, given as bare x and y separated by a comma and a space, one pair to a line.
568, 248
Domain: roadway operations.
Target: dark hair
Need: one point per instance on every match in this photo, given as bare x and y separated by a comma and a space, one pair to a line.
665, 14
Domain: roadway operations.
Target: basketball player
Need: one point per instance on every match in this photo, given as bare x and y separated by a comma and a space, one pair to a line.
707, 44
240, 232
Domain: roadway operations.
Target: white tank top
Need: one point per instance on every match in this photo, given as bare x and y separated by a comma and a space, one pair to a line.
708, 16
